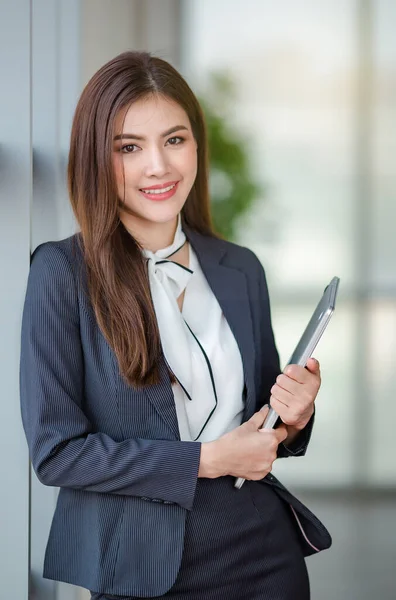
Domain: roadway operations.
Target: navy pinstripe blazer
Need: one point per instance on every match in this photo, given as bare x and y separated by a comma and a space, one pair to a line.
126, 478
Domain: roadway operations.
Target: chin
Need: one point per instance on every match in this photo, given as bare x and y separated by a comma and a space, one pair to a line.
162, 219
162, 213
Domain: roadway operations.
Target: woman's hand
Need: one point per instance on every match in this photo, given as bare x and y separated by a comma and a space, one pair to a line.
293, 395
246, 451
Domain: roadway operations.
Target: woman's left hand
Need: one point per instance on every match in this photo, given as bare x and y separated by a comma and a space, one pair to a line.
293, 395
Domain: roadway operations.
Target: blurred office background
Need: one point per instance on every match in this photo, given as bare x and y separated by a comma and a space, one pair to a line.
310, 104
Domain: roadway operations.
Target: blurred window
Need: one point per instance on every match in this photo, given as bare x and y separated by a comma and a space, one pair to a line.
315, 95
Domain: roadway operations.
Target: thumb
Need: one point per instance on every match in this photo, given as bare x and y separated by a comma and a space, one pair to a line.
281, 433
313, 366
258, 418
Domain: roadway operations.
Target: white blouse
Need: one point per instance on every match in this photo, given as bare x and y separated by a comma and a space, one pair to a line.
198, 345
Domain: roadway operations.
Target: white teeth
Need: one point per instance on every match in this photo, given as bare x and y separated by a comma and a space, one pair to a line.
161, 191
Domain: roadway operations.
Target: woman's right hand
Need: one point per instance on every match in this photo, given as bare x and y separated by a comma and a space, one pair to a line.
246, 451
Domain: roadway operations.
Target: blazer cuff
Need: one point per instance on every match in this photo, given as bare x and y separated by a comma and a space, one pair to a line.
299, 445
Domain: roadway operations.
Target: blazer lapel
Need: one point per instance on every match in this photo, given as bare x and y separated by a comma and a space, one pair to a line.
230, 288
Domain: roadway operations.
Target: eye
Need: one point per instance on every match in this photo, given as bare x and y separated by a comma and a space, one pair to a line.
174, 141
129, 148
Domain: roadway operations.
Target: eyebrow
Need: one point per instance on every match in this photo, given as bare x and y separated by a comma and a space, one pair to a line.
134, 136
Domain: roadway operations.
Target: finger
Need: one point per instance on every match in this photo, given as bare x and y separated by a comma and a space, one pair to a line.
281, 409
296, 372
288, 384
282, 396
259, 417
281, 433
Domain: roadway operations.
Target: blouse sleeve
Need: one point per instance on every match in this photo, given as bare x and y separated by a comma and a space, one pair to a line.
64, 449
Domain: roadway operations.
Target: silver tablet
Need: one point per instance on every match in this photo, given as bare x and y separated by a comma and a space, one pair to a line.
308, 341
311, 336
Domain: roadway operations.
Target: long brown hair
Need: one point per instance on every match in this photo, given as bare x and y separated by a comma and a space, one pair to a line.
117, 276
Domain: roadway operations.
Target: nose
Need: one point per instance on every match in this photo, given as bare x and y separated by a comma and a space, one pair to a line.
157, 164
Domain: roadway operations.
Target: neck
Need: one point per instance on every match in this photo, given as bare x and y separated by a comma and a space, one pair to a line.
150, 235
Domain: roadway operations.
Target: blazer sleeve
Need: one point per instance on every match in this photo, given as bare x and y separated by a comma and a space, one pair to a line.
64, 449
271, 368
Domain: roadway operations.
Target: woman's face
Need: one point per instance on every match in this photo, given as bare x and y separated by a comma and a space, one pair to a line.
155, 161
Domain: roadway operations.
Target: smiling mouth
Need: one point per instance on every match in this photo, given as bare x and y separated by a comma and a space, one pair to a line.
157, 191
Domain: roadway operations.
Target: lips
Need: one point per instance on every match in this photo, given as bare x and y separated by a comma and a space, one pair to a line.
161, 191
161, 186
158, 189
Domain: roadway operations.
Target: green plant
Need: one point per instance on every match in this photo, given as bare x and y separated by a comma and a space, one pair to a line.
233, 189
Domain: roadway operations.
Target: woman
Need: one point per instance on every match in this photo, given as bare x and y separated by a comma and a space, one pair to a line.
147, 354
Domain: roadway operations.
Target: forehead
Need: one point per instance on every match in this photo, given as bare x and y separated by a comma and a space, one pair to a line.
151, 115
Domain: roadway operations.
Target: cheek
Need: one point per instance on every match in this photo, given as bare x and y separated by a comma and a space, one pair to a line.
125, 176
189, 163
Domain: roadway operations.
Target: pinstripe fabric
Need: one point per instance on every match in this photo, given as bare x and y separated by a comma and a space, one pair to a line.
238, 546
127, 481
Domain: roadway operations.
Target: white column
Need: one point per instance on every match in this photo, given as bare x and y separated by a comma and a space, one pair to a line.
15, 199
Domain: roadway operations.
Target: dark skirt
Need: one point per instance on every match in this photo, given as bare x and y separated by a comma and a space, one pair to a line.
239, 544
